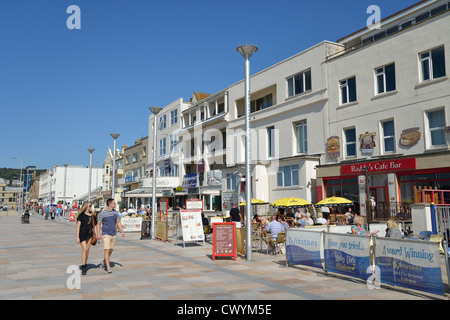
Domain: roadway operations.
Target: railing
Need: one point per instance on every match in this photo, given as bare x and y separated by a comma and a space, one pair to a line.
392, 210
429, 195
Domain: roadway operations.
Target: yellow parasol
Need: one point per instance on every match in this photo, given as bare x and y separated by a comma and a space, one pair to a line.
254, 201
333, 201
291, 202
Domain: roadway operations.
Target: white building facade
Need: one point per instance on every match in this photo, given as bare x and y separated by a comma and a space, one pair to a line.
77, 183
373, 107
389, 105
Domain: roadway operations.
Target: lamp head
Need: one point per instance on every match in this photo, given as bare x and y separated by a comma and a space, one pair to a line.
155, 110
247, 50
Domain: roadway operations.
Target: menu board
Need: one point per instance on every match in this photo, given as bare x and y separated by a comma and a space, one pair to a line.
192, 225
224, 240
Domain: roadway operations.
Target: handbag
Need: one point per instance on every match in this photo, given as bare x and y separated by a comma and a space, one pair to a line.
94, 235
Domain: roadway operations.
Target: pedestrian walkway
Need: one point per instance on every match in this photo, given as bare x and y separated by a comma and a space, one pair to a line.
34, 259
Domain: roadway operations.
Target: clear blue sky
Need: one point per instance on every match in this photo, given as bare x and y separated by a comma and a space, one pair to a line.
63, 91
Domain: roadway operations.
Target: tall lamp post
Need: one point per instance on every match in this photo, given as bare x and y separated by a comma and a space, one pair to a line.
51, 182
155, 111
113, 187
21, 186
90, 172
247, 51
65, 180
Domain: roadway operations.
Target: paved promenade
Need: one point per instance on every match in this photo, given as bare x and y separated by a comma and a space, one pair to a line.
34, 259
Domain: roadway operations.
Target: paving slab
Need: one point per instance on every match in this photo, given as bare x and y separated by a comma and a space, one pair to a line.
35, 257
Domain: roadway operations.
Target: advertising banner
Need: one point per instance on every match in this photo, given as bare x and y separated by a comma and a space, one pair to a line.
303, 247
131, 224
224, 240
191, 225
409, 263
347, 254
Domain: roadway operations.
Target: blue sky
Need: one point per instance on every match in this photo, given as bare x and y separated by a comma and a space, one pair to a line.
63, 91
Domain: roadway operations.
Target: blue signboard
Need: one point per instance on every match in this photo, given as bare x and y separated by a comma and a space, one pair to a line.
412, 264
190, 180
303, 247
347, 254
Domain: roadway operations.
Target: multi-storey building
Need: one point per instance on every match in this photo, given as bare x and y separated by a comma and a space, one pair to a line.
389, 110
74, 178
107, 177
168, 168
9, 196
376, 99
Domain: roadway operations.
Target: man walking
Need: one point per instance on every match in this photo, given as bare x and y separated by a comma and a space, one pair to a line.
108, 218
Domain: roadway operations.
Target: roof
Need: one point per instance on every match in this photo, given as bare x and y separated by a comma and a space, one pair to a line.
344, 39
199, 96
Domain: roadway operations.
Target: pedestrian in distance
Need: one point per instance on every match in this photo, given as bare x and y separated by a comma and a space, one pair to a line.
236, 216
86, 222
107, 219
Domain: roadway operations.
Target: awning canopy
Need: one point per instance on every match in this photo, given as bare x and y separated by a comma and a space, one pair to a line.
139, 193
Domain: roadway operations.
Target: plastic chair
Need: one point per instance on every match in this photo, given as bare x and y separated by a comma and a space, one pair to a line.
206, 230
438, 238
276, 243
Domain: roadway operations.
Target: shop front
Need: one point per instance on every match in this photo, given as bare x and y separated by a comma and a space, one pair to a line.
386, 188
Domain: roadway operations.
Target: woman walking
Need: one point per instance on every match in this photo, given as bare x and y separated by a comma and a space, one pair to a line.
85, 223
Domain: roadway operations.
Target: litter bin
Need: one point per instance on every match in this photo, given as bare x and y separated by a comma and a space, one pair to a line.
145, 230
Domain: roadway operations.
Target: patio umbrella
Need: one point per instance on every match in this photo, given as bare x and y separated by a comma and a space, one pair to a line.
333, 201
291, 202
254, 201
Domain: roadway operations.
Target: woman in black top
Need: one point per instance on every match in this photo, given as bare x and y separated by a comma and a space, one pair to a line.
85, 232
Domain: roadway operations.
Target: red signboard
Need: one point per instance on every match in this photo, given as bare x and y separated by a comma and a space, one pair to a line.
379, 166
224, 240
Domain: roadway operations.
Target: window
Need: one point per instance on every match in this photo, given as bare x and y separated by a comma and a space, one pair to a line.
173, 143
173, 117
135, 157
162, 122
385, 78
301, 136
350, 142
162, 146
389, 136
231, 181
436, 127
271, 141
287, 176
433, 64
299, 83
348, 90
261, 103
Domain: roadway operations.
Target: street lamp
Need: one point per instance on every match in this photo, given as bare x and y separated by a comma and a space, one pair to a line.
21, 187
51, 181
65, 179
155, 111
90, 172
247, 51
115, 136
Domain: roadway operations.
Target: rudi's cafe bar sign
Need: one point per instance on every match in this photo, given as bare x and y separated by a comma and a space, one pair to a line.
379, 166
388, 167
